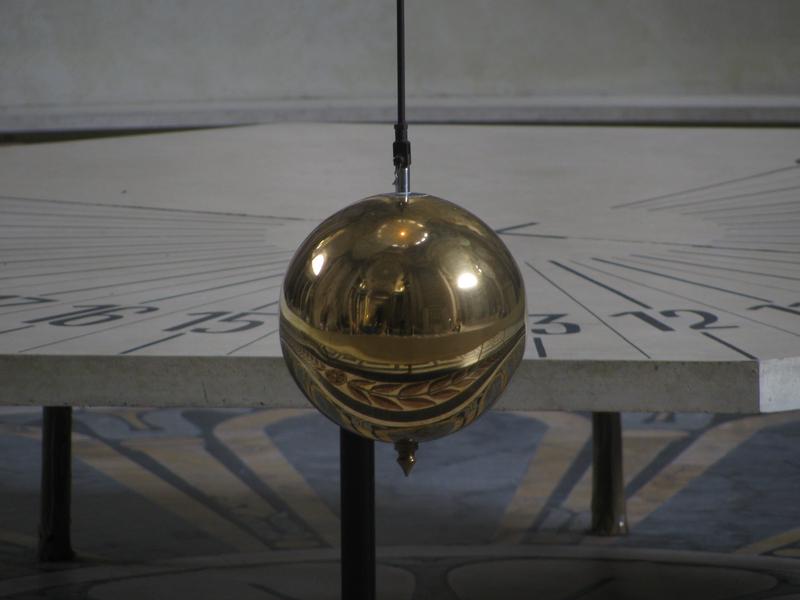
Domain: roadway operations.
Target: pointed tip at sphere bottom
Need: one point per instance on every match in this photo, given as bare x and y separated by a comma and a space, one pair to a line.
406, 455
402, 319
407, 464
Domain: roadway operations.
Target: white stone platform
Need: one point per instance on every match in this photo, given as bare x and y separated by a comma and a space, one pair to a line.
662, 265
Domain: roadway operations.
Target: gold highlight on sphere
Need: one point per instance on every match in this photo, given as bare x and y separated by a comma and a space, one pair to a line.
402, 318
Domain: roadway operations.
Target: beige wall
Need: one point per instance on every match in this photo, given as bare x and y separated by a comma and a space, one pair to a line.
141, 62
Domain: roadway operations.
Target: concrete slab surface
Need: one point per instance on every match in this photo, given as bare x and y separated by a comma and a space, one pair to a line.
662, 265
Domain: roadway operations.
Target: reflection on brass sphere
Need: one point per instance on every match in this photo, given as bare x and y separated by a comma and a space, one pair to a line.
402, 318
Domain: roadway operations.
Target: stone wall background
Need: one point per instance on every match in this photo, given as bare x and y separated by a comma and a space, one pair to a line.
100, 63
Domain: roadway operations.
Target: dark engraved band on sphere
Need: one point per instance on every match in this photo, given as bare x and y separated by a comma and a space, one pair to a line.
427, 396
394, 407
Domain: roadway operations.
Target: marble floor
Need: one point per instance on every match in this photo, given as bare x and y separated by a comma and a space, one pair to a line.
244, 504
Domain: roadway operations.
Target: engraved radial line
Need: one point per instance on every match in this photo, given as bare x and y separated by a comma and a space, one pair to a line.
709, 276
744, 235
729, 345
765, 227
125, 278
15, 329
773, 233
546, 236
732, 225
716, 267
153, 343
155, 209
142, 265
566, 435
218, 287
131, 228
740, 221
246, 437
137, 321
95, 246
732, 240
602, 285
757, 194
188, 459
250, 343
760, 205
28, 307
268, 304
746, 249
170, 277
689, 281
739, 257
758, 226
771, 251
194, 252
671, 293
124, 217
757, 215
133, 236
746, 218
587, 309
711, 447
512, 227
648, 242
706, 187
113, 294
674, 268
115, 289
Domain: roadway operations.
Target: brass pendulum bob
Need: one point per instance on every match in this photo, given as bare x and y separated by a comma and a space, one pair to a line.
402, 316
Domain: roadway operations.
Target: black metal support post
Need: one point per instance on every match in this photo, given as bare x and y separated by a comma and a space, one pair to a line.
54, 527
608, 484
357, 464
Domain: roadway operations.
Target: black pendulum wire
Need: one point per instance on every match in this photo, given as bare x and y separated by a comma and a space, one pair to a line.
401, 147
357, 454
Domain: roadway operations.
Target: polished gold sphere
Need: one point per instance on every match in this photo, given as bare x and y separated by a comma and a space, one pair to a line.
402, 317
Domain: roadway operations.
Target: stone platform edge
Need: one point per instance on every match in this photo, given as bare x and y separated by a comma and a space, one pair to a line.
736, 387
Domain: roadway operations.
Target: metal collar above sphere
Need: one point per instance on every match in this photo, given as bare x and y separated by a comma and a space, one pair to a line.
402, 317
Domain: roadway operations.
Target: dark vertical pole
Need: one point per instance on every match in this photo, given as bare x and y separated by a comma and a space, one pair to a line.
54, 526
357, 464
608, 484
